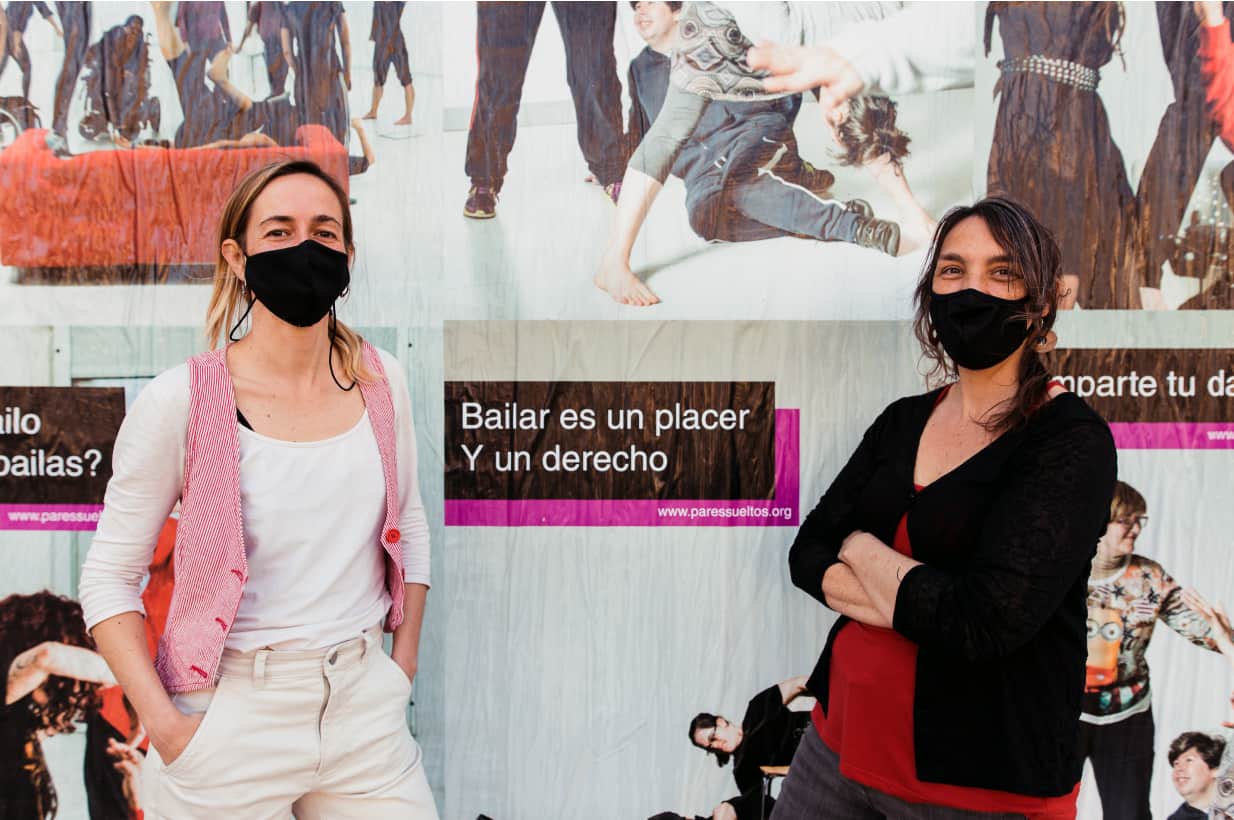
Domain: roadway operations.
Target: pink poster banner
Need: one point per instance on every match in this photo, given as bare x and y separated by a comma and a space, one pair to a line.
1173, 435
49, 517
780, 511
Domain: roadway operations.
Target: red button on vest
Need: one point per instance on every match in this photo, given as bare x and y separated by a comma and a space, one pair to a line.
392, 536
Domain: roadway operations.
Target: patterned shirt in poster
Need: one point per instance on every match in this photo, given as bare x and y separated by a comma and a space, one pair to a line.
1122, 610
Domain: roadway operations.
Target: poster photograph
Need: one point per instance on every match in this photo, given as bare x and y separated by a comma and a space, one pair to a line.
531, 410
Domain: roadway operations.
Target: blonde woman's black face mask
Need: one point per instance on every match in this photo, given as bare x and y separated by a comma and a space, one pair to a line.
300, 284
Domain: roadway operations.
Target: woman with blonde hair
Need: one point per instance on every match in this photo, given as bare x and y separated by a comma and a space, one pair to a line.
301, 536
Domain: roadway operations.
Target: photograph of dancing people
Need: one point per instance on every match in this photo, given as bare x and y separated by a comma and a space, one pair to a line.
1195, 762
1049, 109
1127, 594
705, 106
1056, 144
505, 35
267, 17
390, 51
767, 736
1203, 764
316, 41
53, 676
18, 16
744, 179
715, 219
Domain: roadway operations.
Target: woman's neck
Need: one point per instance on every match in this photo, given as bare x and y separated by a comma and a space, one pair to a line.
283, 353
983, 391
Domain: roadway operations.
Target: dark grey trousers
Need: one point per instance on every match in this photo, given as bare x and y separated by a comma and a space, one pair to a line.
815, 789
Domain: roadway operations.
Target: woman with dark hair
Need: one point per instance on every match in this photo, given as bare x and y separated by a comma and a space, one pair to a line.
52, 678
301, 536
956, 544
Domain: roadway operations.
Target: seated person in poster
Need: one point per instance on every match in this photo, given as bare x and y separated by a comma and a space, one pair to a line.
1195, 760
1127, 595
768, 736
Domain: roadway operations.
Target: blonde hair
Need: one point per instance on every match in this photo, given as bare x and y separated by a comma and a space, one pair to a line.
227, 301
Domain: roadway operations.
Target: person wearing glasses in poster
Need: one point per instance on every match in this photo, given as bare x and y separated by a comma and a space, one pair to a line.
1127, 595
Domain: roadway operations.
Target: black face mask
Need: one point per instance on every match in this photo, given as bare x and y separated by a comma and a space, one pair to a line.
299, 285
976, 329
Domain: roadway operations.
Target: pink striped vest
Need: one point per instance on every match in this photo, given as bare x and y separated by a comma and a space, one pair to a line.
210, 563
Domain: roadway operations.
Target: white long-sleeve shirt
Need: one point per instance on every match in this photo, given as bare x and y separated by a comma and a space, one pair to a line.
312, 514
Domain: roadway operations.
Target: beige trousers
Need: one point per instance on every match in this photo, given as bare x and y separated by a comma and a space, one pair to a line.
319, 734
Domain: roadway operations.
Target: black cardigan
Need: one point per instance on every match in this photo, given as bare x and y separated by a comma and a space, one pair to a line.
998, 606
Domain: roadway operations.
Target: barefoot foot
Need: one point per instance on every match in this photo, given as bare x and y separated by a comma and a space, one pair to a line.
403, 120
371, 115
620, 283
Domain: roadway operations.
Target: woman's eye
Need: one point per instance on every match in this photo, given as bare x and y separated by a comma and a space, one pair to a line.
1006, 273
949, 270
276, 232
327, 234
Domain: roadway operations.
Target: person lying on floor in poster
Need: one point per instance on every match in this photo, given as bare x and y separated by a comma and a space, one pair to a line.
1221, 792
744, 178
767, 736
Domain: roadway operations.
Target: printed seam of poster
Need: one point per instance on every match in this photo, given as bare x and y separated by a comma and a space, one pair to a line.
779, 511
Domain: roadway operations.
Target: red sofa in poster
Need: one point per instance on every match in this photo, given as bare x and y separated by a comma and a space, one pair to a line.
144, 206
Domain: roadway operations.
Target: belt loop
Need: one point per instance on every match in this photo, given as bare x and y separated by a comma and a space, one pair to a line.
259, 668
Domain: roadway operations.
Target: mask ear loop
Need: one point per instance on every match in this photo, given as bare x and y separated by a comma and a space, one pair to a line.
330, 354
243, 316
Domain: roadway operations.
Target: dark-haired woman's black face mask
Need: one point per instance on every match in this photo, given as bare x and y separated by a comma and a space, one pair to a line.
976, 329
298, 284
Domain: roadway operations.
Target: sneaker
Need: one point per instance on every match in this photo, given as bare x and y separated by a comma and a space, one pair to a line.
613, 191
860, 207
817, 180
879, 234
481, 203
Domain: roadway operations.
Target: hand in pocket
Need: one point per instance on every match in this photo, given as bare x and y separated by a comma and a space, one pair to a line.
172, 742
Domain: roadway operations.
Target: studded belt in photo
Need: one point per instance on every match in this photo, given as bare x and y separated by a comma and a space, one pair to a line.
1053, 68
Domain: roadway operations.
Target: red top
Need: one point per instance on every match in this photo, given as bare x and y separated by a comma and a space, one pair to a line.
1217, 67
870, 722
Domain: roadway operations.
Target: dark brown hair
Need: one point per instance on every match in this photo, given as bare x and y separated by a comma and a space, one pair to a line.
25, 622
706, 720
1209, 748
869, 132
1034, 256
